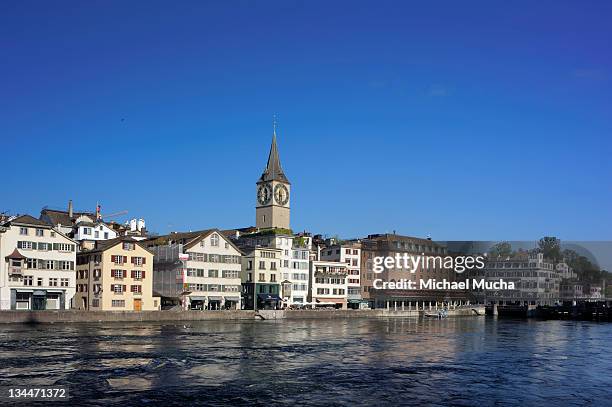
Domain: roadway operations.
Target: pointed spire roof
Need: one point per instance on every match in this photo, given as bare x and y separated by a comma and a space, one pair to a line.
273, 171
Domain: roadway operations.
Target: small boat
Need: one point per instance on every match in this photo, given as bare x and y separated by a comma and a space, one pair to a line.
439, 315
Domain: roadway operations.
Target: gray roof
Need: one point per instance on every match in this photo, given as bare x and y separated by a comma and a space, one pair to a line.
273, 171
29, 220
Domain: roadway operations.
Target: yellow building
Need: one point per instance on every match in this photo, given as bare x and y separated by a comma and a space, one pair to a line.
117, 275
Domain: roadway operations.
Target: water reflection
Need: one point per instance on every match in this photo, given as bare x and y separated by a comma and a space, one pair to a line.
459, 361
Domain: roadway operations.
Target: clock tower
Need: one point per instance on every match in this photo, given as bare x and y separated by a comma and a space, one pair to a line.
273, 189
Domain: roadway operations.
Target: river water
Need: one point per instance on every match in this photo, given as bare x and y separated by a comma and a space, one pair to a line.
472, 361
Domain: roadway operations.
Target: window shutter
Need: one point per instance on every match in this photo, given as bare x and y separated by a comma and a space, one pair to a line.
34, 245
20, 244
133, 259
73, 247
143, 274
55, 246
124, 273
132, 274
144, 260
125, 259
114, 259
112, 275
124, 288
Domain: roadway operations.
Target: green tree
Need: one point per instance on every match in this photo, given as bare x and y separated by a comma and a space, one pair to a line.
501, 249
551, 247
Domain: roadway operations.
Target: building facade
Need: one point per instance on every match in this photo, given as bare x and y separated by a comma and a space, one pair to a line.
38, 266
536, 281
197, 270
329, 282
390, 245
349, 253
261, 278
116, 275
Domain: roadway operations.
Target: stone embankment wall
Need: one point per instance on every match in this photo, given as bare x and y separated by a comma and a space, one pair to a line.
70, 316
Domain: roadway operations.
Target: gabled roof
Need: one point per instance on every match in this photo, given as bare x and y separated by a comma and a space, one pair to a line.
103, 245
61, 217
187, 239
29, 220
273, 171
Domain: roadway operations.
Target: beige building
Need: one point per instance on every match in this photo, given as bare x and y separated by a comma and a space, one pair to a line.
36, 266
329, 285
117, 275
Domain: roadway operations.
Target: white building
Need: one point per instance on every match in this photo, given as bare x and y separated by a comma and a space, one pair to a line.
329, 284
349, 253
198, 270
37, 266
87, 233
293, 258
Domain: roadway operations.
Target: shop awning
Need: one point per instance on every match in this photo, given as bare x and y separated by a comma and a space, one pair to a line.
232, 299
197, 298
211, 298
269, 297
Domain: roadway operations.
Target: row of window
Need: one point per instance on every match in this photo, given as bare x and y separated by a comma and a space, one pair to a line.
87, 232
327, 291
52, 282
23, 231
213, 258
134, 274
121, 288
213, 273
328, 280
213, 287
135, 260
43, 246
262, 278
40, 264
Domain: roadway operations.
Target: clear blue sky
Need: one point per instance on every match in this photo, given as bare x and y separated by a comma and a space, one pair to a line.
463, 120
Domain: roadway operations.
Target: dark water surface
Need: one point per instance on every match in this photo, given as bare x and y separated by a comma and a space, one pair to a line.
457, 361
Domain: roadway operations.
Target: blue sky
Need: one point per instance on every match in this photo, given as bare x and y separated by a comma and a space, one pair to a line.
462, 120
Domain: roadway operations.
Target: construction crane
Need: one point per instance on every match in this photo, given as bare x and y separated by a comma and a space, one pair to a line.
99, 216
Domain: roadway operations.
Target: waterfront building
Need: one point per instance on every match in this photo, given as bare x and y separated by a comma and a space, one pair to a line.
536, 280
291, 262
329, 282
348, 252
260, 275
115, 275
38, 265
388, 245
197, 270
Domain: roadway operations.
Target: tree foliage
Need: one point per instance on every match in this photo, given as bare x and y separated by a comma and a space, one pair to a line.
501, 249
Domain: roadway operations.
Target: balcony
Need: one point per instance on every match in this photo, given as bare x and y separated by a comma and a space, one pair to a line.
15, 271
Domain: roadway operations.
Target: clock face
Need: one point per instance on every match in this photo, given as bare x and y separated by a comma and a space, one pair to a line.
281, 194
264, 194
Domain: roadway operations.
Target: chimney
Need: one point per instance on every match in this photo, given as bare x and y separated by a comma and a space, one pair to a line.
70, 212
318, 252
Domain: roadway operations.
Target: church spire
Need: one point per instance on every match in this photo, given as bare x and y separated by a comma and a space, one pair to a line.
273, 171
